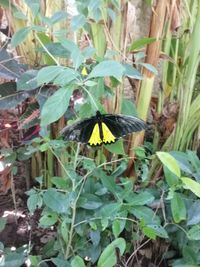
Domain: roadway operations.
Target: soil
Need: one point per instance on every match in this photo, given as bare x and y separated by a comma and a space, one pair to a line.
21, 228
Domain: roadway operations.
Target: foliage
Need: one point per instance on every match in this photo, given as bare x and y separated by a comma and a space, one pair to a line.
101, 217
93, 210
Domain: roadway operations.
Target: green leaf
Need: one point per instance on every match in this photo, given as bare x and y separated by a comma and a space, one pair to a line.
55, 106
132, 72
194, 232
194, 213
95, 237
77, 262
19, 15
120, 169
108, 257
190, 254
90, 83
137, 199
78, 22
58, 16
108, 182
88, 164
88, 52
48, 219
153, 230
116, 228
27, 80
20, 36
89, 202
2, 223
59, 182
149, 232
56, 49
171, 178
57, 201
191, 185
34, 6
48, 74
108, 210
77, 58
44, 147
150, 68
66, 76
144, 213
141, 43
60, 262
128, 107
108, 68
34, 201
116, 148
169, 162
14, 259
64, 231
178, 208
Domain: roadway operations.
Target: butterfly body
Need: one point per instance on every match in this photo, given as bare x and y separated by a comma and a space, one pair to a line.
102, 129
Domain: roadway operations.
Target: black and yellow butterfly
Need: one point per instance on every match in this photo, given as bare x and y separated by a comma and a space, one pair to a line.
102, 129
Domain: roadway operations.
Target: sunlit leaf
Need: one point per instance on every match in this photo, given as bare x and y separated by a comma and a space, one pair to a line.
108, 256
77, 262
192, 185
153, 230
169, 162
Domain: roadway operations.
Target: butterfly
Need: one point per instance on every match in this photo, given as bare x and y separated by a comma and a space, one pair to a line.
102, 129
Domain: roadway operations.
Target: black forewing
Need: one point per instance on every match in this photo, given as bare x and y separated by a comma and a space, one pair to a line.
79, 131
121, 125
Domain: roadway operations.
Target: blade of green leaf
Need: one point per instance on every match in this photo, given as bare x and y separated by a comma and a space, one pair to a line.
116, 148
78, 22
192, 185
132, 72
169, 162
55, 106
141, 43
194, 233
57, 201
48, 74
178, 208
108, 68
77, 262
108, 256
20, 36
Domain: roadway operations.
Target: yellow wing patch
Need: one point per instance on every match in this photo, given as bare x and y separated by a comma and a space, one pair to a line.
108, 137
95, 138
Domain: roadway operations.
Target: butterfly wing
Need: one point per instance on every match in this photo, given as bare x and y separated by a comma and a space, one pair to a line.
121, 125
110, 127
79, 131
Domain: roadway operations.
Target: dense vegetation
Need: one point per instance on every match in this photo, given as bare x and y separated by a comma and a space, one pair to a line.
131, 203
